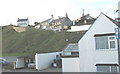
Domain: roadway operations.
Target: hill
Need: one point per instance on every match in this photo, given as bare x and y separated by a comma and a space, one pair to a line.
35, 40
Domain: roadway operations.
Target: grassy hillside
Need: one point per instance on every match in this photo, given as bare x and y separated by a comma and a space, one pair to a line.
35, 40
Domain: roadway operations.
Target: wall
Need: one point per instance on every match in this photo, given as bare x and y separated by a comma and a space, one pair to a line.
67, 22
44, 60
20, 63
19, 29
70, 64
89, 56
79, 28
23, 23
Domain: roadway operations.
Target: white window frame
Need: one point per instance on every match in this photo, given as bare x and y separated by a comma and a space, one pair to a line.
112, 40
109, 43
110, 68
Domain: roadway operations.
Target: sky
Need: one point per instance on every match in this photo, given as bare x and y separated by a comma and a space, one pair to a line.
39, 10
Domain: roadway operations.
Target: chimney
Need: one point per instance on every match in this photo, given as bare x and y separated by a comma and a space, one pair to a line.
83, 13
52, 17
59, 17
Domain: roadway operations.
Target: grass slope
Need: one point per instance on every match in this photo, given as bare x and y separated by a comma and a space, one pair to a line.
35, 40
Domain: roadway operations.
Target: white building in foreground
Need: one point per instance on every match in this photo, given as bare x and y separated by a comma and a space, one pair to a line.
98, 47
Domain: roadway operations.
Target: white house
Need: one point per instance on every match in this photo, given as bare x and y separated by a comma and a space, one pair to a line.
82, 24
70, 58
45, 60
22, 22
71, 49
98, 47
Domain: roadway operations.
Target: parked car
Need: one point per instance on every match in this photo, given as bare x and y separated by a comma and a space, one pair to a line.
4, 61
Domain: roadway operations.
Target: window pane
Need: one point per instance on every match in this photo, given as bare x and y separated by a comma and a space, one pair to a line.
103, 69
112, 44
111, 38
114, 69
101, 42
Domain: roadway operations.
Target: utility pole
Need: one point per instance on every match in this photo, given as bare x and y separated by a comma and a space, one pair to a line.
118, 54
117, 34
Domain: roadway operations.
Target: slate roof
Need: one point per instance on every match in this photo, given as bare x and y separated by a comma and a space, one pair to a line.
89, 20
59, 20
46, 20
19, 20
72, 47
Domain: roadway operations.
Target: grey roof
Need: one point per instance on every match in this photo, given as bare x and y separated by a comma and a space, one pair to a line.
72, 47
22, 20
58, 20
89, 20
46, 21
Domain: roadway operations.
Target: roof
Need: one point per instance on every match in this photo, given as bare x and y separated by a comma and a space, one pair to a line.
22, 20
108, 34
29, 56
58, 20
85, 20
114, 21
46, 20
72, 47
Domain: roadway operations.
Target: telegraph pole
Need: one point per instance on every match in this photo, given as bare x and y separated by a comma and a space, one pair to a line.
117, 34
118, 54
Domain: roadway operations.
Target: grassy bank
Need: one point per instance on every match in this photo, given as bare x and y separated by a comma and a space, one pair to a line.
35, 41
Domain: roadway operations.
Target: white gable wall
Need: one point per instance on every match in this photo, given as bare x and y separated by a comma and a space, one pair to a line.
89, 56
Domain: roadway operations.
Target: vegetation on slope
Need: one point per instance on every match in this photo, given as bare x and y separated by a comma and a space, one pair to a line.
35, 40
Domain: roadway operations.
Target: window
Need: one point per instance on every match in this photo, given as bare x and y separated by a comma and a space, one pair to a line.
105, 42
112, 69
74, 53
101, 42
112, 42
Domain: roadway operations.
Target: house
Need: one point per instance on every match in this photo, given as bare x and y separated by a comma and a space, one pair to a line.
82, 24
85, 20
61, 23
98, 50
70, 58
22, 22
71, 49
44, 24
45, 60
25, 62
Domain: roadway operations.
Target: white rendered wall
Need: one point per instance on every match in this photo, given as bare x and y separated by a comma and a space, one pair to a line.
88, 54
44, 60
20, 63
79, 28
70, 64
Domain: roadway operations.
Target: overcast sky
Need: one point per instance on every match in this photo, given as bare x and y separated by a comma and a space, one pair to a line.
39, 10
